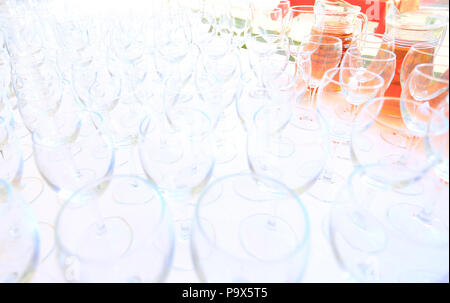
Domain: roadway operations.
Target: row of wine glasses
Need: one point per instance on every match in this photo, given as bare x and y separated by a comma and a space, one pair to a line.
165, 100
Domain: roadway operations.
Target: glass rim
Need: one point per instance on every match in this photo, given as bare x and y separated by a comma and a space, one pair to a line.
300, 245
418, 69
164, 212
393, 56
335, 70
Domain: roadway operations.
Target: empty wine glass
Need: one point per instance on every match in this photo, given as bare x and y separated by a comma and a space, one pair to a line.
368, 240
218, 84
379, 136
301, 23
12, 164
325, 53
72, 151
377, 60
260, 237
266, 19
36, 104
176, 55
99, 239
298, 160
422, 53
263, 47
19, 237
340, 94
96, 86
199, 20
178, 159
315, 55
428, 84
253, 97
128, 39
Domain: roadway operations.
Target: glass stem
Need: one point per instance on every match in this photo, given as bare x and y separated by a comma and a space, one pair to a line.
329, 169
133, 165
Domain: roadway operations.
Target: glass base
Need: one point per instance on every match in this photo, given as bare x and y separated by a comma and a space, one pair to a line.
31, 188
281, 147
358, 229
327, 188
110, 237
407, 219
304, 118
84, 176
267, 237
133, 193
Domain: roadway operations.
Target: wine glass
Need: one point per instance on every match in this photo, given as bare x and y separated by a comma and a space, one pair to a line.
315, 55
96, 86
179, 159
377, 60
39, 101
176, 54
325, 53
384, 137
19, 237
253, 97
128, 38
72, 151
301, 23
263, 47
340, 94
283, 90
99, 239
298, 160
22, 38
367, 239
428, 84
260, 237
422, 53
12, 164
266, 19
199, 20
217, 82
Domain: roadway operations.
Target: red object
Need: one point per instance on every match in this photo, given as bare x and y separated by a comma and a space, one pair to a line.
374, 9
